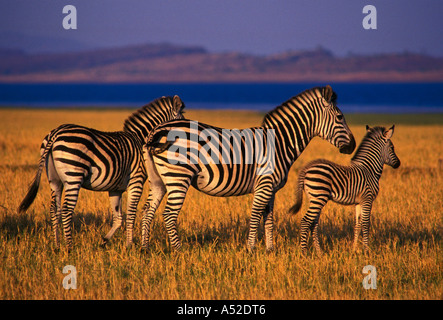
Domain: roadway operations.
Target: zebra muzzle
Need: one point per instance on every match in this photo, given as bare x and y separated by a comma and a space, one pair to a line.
349, 147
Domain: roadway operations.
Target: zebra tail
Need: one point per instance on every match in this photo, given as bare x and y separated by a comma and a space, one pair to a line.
33, 188
299, 193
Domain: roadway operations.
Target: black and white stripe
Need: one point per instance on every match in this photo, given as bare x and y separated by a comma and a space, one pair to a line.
225, 169
78, 157
358, 184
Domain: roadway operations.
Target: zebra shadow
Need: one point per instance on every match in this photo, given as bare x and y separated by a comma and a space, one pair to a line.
17, 225
331, 230
334, 233
88, 220
399, 235
14, 225
200, 234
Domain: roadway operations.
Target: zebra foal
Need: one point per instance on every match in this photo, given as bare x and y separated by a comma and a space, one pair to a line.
358, 184
78, 157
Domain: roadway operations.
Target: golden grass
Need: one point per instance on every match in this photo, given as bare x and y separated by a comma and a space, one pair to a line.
405, 237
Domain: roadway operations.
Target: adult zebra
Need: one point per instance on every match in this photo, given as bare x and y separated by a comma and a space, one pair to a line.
284, 134
357, 184
78, 157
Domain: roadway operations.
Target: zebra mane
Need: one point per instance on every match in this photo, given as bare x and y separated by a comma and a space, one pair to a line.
371, 135
142, 121
302, 98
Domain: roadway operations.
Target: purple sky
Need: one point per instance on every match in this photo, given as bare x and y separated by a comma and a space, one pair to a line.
250, 26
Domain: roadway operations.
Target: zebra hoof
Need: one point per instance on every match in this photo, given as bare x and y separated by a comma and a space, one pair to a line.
144, 250
104, 242
270, 250
319, 254
250, 250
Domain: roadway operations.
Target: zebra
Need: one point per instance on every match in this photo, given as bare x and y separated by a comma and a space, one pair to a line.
79, 157
292, 125
358, 184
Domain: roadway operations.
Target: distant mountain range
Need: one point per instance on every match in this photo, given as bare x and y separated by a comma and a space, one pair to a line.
173, 63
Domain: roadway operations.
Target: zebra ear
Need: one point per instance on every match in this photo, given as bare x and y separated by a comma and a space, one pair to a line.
368, 128
328, 93
388, 134
178, 103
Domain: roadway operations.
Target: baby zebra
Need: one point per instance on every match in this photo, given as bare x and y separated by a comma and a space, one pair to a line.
357, 184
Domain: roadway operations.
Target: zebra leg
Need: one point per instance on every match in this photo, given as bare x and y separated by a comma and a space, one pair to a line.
115, 198
366, 223
268, 222
156, 193
148, 215
155, 197
262, 197
314, 231
309, 223
176, 190
55, 211
71, 196
56, 186
357, 230
135, 191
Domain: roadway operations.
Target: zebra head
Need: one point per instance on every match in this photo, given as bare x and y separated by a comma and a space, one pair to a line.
331, 124
167, 108
388, 154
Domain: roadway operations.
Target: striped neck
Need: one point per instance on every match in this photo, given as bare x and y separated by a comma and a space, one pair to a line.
142, 121
294, 122
369, 152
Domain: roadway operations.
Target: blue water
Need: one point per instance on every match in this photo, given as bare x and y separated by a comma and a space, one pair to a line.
352, 97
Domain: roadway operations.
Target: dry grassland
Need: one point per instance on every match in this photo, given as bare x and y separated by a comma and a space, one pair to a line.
405, 237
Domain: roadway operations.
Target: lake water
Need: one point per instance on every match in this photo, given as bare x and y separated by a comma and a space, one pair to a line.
352, 97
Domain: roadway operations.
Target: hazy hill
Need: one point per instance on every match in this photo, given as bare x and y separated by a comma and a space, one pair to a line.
173, 63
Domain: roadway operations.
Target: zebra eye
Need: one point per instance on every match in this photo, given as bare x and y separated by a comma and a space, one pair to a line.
339, 117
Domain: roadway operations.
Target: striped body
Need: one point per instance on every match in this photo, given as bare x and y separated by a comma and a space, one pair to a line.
78, 157
222, 175
182, 153
99, 161
356, 184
